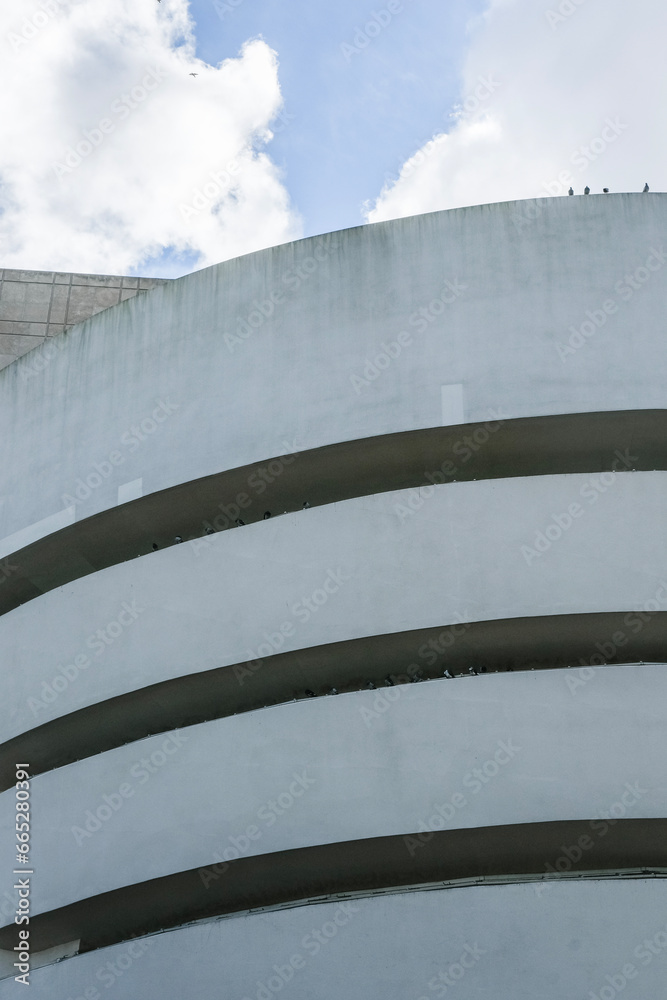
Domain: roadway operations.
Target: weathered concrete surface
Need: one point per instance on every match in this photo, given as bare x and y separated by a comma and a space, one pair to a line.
366, 566
277, 350
514, 310
447, 754
35, 305
519, 941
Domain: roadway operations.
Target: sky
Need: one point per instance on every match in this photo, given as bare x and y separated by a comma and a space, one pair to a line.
305, 117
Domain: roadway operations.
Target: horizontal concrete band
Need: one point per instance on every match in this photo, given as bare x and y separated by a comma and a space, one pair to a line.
568, 937
544, 642
448, 318
388, 563
497, 749
512, 853
564, 443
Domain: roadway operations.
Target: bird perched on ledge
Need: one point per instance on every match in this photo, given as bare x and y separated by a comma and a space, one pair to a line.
571, 191
646, 189
587, 190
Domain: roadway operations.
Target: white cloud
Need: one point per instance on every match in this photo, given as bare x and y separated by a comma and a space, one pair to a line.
76, 197
557, 73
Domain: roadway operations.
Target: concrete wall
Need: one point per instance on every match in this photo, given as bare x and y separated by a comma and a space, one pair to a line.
330, 770
521, 941
459, 558
496, 312
35, 305
330, 303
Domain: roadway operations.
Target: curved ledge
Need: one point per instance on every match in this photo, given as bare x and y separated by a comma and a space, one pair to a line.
368, 324
547, 642
513, 853
531, 446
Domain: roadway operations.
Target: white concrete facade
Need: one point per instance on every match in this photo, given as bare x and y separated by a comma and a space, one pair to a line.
566, 937
514, 748
175, 361
488, 315
340, 572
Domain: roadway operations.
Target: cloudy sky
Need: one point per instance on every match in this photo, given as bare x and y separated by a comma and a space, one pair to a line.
305, 117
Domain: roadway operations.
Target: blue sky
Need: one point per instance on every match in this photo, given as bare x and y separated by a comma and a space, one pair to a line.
306, 117
356, 118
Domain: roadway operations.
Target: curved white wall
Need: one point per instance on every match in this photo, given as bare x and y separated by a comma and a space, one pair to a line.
458, 557
352, 767
154, 393
337, 299
520, 941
